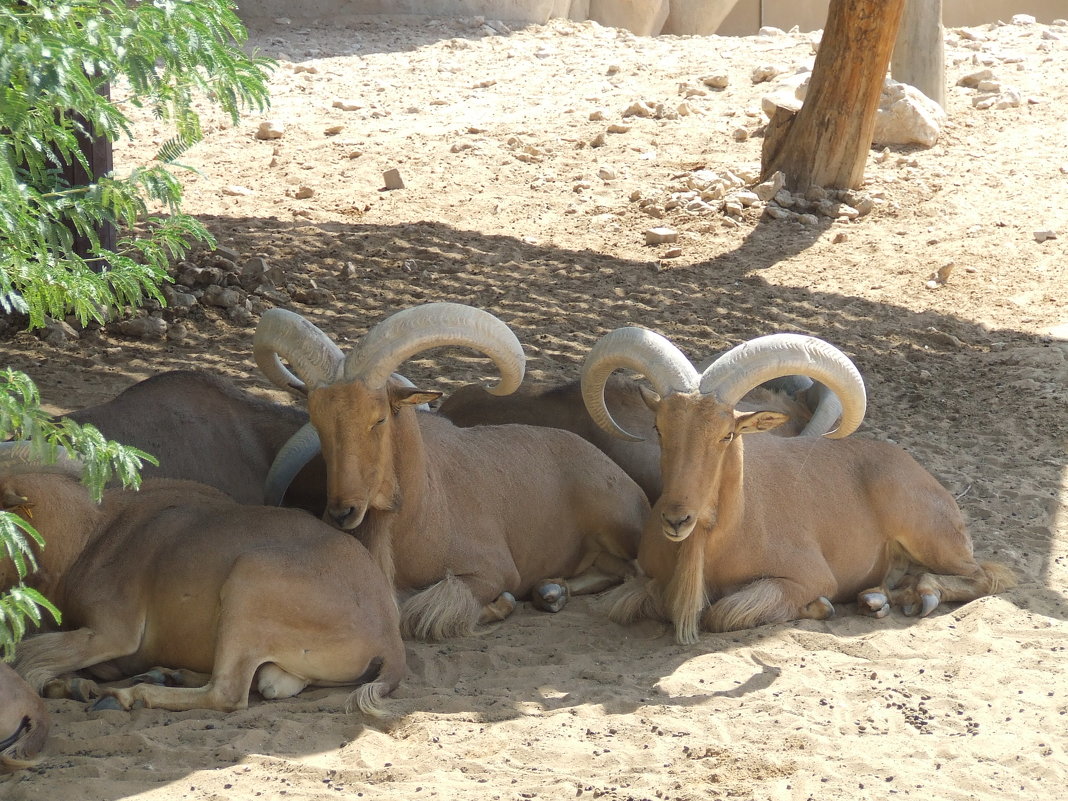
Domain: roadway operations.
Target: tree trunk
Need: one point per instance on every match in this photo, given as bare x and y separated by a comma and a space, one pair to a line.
826, 143
98, 153
919, 57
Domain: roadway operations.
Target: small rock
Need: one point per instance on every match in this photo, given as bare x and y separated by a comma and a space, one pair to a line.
717, 81
661, 236
271, 129
839, 238
972, 80
392, 179
59, 332
607, 174
618, 128
142, 327
177, 333
640, 108
598, 141
596, 116
1023, 19
304, 192
746, 198
347, 105
672, 253
234, 190
222, 297
1042, 236
768, 189
740, 134
333, 130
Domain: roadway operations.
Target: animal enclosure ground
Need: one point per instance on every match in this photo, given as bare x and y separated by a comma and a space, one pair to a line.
527, 193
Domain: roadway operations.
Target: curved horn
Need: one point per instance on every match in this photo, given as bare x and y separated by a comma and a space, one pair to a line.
291, 458
22, 456
642, 351
314, 356
752, 363
434, 325
828, 411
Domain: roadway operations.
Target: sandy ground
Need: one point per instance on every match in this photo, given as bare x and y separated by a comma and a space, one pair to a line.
507, 206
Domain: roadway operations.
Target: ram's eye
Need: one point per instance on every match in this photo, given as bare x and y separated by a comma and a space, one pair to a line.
378, 423
728, 438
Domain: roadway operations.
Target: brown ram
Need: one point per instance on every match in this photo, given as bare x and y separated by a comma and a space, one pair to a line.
203, 428
756, 529
224, 596
462, 520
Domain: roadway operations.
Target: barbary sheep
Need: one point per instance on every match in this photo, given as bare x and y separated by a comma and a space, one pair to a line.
812, 412
24, 721
463, 521
223, 596
203, 428
755, 529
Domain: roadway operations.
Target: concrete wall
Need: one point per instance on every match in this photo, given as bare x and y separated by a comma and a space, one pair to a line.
745, 19
810, 15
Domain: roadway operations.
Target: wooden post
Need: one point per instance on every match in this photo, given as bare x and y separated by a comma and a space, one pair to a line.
826, 143
919, 57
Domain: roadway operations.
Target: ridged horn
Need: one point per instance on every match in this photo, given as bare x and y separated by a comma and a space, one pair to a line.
22, 456
435, 325
642, 351
752, 363
291, 458
283, 334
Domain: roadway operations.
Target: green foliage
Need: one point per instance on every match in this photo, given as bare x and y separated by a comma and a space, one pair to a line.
46, 441
57, 57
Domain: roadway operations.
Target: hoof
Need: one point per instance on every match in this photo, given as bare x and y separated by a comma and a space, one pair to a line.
874, 604
929, 603
107, 702
820, 609
154, 676
550, 596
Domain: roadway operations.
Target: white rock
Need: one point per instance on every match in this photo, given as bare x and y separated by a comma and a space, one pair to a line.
271, 129
235, 191
765, 72
661, 235
1042, 236
717, 81
770, 188
1023, 19
607, 174
788, 92
746, 198
907, 116
973, 79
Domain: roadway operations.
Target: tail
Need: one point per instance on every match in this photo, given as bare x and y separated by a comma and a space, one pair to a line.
632, 601
445, 609
369, 699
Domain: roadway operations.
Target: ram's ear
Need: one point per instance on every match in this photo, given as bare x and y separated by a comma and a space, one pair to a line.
399, 397
755, 422
651, 399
